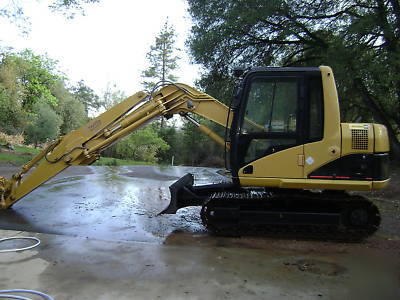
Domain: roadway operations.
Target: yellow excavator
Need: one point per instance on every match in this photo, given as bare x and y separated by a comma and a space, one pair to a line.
292, 161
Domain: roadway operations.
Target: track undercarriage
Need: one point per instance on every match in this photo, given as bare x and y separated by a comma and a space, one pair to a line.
309, 215
231, 211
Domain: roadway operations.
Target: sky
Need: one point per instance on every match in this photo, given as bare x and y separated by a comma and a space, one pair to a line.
106, 46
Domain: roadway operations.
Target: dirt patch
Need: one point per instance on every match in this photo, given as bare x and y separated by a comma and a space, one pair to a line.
388, 202
6, 164
17, 139
318, 267
392, 191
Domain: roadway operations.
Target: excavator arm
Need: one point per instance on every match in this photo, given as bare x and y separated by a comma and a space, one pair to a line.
83, 146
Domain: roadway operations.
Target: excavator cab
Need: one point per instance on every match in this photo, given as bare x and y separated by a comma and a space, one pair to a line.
278, 109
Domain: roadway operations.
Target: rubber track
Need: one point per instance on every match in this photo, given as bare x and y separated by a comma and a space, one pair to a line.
300, 202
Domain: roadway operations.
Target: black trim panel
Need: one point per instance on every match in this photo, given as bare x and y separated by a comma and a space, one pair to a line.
355, 167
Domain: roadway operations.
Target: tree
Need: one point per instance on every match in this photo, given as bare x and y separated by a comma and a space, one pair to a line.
162, 60
360, 39
161, 57
70, 7
28, 82
71, 111
25, 79
173, 137
197, 148
85, 95
45, 124
112, 96
29, 77
12, 117
14, 10
142, 145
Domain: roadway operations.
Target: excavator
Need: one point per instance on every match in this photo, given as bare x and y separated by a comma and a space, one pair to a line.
293, 164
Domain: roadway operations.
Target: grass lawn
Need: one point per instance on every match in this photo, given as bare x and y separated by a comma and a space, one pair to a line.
20, 156
109, 161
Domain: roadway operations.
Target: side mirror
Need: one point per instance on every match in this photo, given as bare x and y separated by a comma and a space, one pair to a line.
236, 97
239, 71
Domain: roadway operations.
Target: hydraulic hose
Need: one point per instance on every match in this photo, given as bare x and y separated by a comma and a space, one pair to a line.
20, 238
5, 294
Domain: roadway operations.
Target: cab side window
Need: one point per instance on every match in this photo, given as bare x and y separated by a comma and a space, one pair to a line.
271, 106
269, 123
316, 111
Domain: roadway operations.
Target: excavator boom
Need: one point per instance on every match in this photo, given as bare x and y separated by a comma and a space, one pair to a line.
83, 146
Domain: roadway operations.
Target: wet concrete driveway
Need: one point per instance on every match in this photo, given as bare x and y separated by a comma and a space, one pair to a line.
102, 239
119, 203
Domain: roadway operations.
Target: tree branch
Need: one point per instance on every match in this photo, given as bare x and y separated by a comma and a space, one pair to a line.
379, 115
396, 11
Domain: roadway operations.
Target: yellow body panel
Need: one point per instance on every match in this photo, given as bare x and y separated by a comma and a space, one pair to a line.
377, 185
311, 184
322, 152
280, 164
381, 138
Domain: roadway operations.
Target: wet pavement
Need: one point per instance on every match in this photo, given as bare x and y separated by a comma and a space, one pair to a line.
119, 203
102, 239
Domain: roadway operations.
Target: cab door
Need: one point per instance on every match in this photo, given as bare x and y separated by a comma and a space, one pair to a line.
268, 142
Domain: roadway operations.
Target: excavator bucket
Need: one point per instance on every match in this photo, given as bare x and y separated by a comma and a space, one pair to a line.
182, 195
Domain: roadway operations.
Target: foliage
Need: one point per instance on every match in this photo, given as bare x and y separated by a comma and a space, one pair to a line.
29, 77
12, 117
360, 39
13, 10
70, 7
111, 96
109, 161
27, 80
24, 80
173, 137
143, 145
85, 95
70, 110
161, 57
197, 148
45, 124
192, 144
72, 114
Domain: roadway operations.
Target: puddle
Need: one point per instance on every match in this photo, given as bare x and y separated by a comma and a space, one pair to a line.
318, 267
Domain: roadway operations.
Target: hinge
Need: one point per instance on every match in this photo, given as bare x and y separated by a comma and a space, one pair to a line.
300, 160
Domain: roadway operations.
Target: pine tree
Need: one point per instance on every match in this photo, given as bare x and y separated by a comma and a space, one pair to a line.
162, 58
